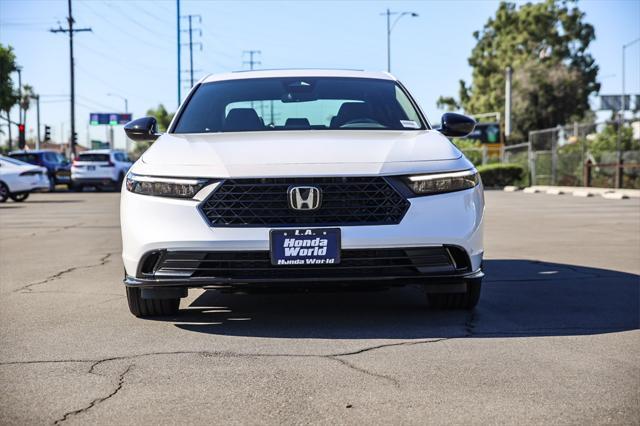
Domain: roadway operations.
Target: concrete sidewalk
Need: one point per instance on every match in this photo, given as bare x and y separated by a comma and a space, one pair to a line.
578, 191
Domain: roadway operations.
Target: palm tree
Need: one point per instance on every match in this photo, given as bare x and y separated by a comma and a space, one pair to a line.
25, 100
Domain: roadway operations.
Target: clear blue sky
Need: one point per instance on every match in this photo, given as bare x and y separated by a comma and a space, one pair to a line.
132, 50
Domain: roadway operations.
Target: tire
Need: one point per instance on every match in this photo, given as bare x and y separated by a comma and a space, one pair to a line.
4, 192
150, 307
19, 197
457, 301
118, 184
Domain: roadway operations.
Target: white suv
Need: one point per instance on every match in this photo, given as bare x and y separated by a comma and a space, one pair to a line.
303, 178
99, 168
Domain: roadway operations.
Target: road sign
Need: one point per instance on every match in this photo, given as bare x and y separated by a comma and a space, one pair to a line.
486, 133
109, 118
613, 102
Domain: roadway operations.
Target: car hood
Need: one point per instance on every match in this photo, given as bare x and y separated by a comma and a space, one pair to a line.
299, 152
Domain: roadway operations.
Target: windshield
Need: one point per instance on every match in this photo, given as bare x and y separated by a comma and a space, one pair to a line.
320, 103
14, 161
27, 158
92, 157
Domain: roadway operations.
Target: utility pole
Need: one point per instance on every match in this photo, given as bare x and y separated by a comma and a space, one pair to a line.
179, 68
37, 98
191, 43
251, 62
19, 71
507, 102
70, 30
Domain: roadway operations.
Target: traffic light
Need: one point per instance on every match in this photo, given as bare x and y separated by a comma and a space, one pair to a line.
21, 136
47, 133
75, 138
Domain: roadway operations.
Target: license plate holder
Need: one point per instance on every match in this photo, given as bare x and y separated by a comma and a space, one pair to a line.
305, 247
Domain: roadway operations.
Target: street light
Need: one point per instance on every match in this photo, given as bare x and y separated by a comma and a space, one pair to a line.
126, 102
619, 171
126, 110
390, 28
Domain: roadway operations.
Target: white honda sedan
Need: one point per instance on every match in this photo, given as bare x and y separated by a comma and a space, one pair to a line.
303, 178
18, 179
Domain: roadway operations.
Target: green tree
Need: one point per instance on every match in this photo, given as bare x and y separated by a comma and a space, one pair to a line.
553, 74
164, 118
8, 95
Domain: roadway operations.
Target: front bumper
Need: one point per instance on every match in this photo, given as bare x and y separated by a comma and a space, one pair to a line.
445, 283
162, 224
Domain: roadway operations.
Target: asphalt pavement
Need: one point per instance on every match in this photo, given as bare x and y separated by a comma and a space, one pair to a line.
554, 339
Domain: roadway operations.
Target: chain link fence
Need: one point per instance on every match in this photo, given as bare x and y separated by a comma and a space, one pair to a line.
573, 155
585, 155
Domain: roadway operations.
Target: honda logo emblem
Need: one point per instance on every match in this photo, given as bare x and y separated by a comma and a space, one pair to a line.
304, 197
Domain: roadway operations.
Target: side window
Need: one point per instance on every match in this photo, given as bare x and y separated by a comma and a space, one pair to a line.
118, 156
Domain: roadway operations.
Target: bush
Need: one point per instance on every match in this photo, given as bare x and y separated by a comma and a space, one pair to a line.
501, 174
471, 149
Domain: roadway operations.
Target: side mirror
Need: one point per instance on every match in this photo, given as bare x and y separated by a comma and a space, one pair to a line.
456, 125
143, 129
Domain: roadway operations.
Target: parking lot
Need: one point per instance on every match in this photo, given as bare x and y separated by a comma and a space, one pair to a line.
554, 340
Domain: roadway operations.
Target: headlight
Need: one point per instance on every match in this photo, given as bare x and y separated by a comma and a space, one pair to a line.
439, 183
164, 187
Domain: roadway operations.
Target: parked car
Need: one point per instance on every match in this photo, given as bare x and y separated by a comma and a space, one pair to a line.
18, 179
58, 167
304, 178
99, 168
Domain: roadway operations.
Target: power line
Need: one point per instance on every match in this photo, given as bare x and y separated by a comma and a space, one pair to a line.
131, 64
136, 22
70, 30
121, 29
148, 13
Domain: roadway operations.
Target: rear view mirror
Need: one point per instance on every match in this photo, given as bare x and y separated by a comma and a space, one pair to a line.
456, 125
143, 129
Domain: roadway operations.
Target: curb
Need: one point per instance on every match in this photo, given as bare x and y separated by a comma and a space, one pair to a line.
580, 191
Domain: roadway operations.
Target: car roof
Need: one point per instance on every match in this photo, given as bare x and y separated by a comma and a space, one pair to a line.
240, 75
100, 151
32, 151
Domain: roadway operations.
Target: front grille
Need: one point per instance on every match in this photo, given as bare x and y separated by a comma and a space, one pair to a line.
256, 265
345, 201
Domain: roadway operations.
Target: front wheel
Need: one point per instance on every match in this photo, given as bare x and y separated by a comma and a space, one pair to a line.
19, 197
467, 300
150, 307
4, 192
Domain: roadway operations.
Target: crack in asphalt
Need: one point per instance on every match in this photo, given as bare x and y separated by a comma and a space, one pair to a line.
28, 288
97, 362
47, 230
64, 228
96, 401
351, 366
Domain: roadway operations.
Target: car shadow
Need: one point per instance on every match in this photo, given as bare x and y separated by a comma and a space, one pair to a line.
519, 298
